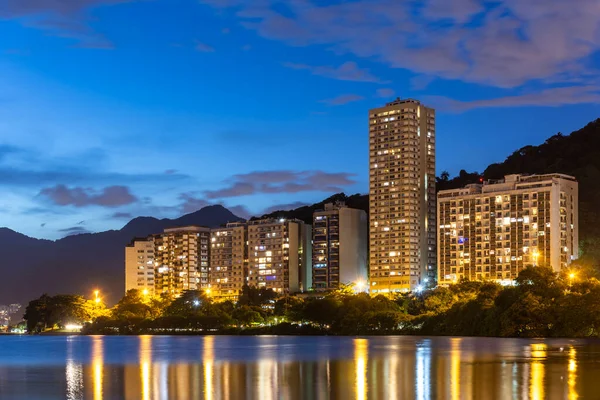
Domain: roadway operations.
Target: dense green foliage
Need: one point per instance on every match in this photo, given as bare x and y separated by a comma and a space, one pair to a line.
540, 304
55, 312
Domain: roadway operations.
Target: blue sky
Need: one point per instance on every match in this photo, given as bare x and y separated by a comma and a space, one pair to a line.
114, 109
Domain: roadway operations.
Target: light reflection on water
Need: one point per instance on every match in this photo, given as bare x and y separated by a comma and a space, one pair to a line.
269, 368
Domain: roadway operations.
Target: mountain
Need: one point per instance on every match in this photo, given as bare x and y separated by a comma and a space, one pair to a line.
82, 263
305, 213
577, 154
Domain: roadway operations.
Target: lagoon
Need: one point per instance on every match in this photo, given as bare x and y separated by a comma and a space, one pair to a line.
286, 367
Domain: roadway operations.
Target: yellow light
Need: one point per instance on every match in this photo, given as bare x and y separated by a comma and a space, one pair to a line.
208, 291
145, 292
361, 352
97, 300
360, 286
572, 275
96, 293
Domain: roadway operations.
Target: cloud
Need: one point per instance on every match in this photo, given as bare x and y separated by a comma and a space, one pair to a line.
121, 215
282, 182
74, 230
8, 150
553, 97
284, 207
342, 99
28, 7
64, 19
420, 82
205, 48
33, 169
111, 196
191, 204
170, 171
385, 92
506, 43
348, 71
240, 211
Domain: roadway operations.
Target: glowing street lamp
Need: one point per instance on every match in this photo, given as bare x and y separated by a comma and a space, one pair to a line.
145, 292
572, 276
359, 286
97, 296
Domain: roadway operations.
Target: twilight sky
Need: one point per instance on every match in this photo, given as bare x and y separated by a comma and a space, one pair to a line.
111, 109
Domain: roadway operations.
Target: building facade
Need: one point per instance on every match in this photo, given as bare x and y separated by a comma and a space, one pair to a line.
228, 261
494, 230
182, 257
279, 255
139, 265
339, 256
402, 196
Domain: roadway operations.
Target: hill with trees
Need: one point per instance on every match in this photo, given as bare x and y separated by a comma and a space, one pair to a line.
577, 154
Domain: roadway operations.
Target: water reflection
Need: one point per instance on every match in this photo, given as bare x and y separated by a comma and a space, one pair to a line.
536, 386
572, 374
269, 368
98, 365
361, 353
74, 373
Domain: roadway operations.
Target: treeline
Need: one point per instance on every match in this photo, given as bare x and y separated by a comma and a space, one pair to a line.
540, 304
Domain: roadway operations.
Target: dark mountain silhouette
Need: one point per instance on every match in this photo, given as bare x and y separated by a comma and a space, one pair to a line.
82, 263
305, 213
577, 154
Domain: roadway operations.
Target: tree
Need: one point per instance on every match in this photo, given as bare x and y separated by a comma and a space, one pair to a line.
36, 314
191, 303
132, 305
246, 316
252, 296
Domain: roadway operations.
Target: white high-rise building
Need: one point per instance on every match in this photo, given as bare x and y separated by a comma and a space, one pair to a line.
279, 255
494, 230
139, 265
340, 238
402, 198
228, 261
182, 257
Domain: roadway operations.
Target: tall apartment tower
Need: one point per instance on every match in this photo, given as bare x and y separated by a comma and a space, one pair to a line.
228, 260
182, 258
279, 255
494, 230
402, 198
340, 237
139, 265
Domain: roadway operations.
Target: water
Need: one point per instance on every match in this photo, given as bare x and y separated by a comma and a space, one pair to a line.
265, 368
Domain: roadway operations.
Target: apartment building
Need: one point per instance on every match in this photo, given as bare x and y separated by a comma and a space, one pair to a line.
228, 261
279, 255
139, 265
340, 237
495, 229
182, 257
402, 196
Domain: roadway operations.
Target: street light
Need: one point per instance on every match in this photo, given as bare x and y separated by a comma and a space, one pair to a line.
359, 286
145, 292
571, 277
97, 296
